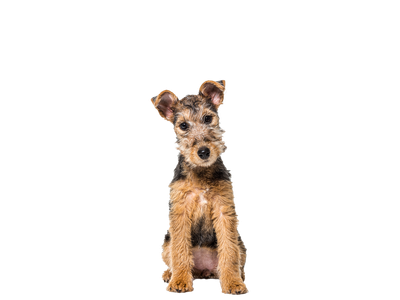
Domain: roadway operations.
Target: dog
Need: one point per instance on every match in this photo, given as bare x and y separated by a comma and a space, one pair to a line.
202, 240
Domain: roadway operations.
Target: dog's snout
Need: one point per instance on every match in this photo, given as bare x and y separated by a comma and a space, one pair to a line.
204, 153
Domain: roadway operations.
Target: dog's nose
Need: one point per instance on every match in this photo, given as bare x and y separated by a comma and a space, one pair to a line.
204, 153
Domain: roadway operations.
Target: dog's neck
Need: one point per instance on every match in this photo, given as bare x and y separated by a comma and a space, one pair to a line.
217, 171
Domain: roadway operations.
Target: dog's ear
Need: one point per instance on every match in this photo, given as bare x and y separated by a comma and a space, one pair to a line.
213, 90
165, 103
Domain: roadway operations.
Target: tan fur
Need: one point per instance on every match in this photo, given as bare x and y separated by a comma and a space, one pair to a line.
198, 198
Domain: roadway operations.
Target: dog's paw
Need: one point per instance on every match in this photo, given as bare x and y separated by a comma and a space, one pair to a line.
236, 287
167, 276
180, 286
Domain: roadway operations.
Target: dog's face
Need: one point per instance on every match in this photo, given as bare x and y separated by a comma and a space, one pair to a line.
196, 122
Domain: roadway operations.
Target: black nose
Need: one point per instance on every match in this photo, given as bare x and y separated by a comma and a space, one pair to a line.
204, 153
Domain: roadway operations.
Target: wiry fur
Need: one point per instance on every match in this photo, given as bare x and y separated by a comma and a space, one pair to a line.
202, 241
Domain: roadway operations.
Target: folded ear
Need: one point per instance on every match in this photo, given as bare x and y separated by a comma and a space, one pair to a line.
213, 90
165, 103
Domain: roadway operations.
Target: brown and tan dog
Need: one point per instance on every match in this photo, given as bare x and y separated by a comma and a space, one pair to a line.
202, 241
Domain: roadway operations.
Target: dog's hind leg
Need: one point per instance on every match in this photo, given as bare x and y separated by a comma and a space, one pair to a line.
166, 258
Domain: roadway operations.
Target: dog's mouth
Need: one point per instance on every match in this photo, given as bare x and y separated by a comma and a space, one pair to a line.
205, 163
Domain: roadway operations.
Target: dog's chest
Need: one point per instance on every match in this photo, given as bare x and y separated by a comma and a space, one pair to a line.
200, 199
202, 231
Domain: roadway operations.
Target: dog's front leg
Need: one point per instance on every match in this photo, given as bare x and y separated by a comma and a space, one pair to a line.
225, 225
181, 256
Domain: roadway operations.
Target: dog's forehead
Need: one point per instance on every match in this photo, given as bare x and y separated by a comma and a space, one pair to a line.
191, 102
193, 107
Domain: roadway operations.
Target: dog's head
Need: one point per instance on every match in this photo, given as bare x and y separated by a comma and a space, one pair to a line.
196, 122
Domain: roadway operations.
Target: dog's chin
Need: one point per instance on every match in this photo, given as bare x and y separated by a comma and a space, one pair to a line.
206, 163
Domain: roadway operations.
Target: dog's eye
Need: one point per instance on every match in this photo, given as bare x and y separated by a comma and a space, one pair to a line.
207, 119
183, 126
